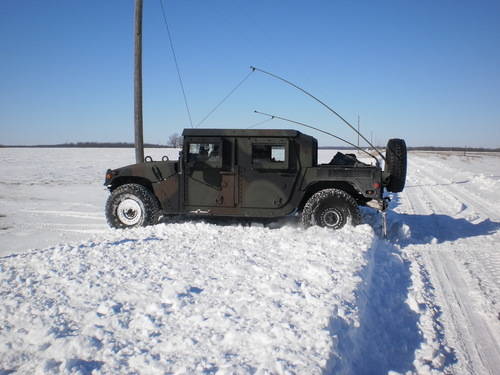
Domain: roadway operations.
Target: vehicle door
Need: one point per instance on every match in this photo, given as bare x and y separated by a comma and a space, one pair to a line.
268, 172
209, 175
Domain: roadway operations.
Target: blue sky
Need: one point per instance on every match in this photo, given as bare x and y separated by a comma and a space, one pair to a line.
426, 71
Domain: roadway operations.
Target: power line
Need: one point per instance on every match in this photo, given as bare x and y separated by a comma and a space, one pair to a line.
226, 97
176, 63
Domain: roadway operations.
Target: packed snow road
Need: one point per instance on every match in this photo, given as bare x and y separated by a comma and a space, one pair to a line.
230, 297
450, 211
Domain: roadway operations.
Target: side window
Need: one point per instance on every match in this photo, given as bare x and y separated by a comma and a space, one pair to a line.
269, 156
205, 152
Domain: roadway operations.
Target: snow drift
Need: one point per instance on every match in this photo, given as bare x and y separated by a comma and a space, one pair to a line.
184, 298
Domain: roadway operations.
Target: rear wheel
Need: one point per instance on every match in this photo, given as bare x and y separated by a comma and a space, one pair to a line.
132, 205
331, 208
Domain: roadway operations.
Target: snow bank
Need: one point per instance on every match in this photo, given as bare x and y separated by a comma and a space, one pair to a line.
184, 298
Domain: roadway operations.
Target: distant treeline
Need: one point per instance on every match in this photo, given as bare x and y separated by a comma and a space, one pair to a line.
92, 145
152, 145
425, 148
461, 149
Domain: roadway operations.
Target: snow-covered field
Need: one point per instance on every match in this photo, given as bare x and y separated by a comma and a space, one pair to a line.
226, 297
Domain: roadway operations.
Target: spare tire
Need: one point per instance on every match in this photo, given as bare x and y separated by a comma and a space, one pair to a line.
395, 164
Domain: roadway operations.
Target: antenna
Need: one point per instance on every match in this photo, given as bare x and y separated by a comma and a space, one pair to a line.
322, 103
317, 129
358, 130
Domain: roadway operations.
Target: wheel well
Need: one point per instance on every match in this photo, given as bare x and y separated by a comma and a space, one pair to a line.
119, 181
341, 185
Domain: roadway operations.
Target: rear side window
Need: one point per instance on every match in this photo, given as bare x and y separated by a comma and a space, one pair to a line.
205, 152
269, 156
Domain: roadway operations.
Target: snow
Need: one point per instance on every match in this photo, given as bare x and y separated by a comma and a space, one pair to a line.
50, 196
452, 225
231, 297
179, 298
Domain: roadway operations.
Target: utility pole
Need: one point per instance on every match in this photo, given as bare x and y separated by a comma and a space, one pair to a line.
139, 140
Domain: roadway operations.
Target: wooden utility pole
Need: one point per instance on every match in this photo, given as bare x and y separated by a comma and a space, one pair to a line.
139, 140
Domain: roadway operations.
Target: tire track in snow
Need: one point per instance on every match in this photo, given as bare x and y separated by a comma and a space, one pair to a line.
388, 334
442, 291
467, 329
486, 274
477, 259
473, 330
427, 272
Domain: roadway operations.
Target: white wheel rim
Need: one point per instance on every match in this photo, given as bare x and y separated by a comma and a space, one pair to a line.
129, 211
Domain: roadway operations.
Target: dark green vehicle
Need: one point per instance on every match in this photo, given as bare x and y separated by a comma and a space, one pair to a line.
254, 174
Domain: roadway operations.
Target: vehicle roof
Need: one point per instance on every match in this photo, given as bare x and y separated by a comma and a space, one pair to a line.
240, 133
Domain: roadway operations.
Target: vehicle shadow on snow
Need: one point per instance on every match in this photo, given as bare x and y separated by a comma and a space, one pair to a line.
414, 229
388, 333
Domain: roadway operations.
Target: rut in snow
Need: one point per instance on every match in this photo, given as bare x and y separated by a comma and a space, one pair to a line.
388, 334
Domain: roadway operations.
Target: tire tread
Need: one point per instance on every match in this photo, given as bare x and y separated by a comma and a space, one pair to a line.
396, 164
312, 204
150, 202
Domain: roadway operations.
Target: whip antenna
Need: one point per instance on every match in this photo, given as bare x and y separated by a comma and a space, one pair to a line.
317, 129
322, 103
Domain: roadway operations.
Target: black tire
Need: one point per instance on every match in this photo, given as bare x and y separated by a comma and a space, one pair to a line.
395, 164
331, 208
132, 205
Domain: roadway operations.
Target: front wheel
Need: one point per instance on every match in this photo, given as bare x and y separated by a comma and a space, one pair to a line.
132, 205
331, 208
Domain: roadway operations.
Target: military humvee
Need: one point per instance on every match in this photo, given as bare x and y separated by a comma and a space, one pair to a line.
254, 174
